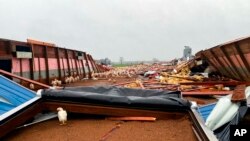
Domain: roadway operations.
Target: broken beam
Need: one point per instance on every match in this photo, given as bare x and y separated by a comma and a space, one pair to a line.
24, 79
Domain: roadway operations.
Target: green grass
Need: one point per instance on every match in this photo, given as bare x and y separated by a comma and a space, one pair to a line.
121, 65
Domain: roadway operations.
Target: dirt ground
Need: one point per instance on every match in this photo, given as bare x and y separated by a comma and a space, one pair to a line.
85, 128
89, 128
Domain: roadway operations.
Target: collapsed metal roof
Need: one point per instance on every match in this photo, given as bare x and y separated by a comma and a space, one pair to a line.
231, 59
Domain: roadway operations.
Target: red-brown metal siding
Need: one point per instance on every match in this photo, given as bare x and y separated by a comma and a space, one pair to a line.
231, 59
47, 62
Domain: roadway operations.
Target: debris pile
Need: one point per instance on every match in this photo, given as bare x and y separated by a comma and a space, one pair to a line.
130, 71
179, 78
136, 84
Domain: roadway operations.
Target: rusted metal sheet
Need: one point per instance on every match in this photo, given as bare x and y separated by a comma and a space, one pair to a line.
231, 59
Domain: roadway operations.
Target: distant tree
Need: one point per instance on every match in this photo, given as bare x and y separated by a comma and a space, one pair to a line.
105, 61
155, 60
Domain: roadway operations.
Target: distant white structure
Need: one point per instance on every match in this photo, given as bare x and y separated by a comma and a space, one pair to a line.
187, 53
105, 61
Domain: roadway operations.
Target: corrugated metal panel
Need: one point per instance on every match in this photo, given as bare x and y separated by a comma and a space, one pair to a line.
12, 95
206, 110
231, 59
5, 107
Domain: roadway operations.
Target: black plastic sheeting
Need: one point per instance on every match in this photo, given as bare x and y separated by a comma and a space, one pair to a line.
118, 96
223, 133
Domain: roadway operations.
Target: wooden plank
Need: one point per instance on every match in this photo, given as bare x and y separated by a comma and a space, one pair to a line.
32, 41
24, 79
158, 87
141, 85
239, 93
200, 93
123, 83
225, 83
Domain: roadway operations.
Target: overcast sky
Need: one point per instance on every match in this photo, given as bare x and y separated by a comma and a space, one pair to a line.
133, 29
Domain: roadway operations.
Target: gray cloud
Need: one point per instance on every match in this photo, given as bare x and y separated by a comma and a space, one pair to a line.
134, 29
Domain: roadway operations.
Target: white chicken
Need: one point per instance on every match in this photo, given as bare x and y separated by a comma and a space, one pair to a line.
59, 83
62, 116
32, 87
53, 83
71, 79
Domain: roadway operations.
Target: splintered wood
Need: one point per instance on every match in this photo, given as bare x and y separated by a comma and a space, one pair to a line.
136, 84
239, 93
